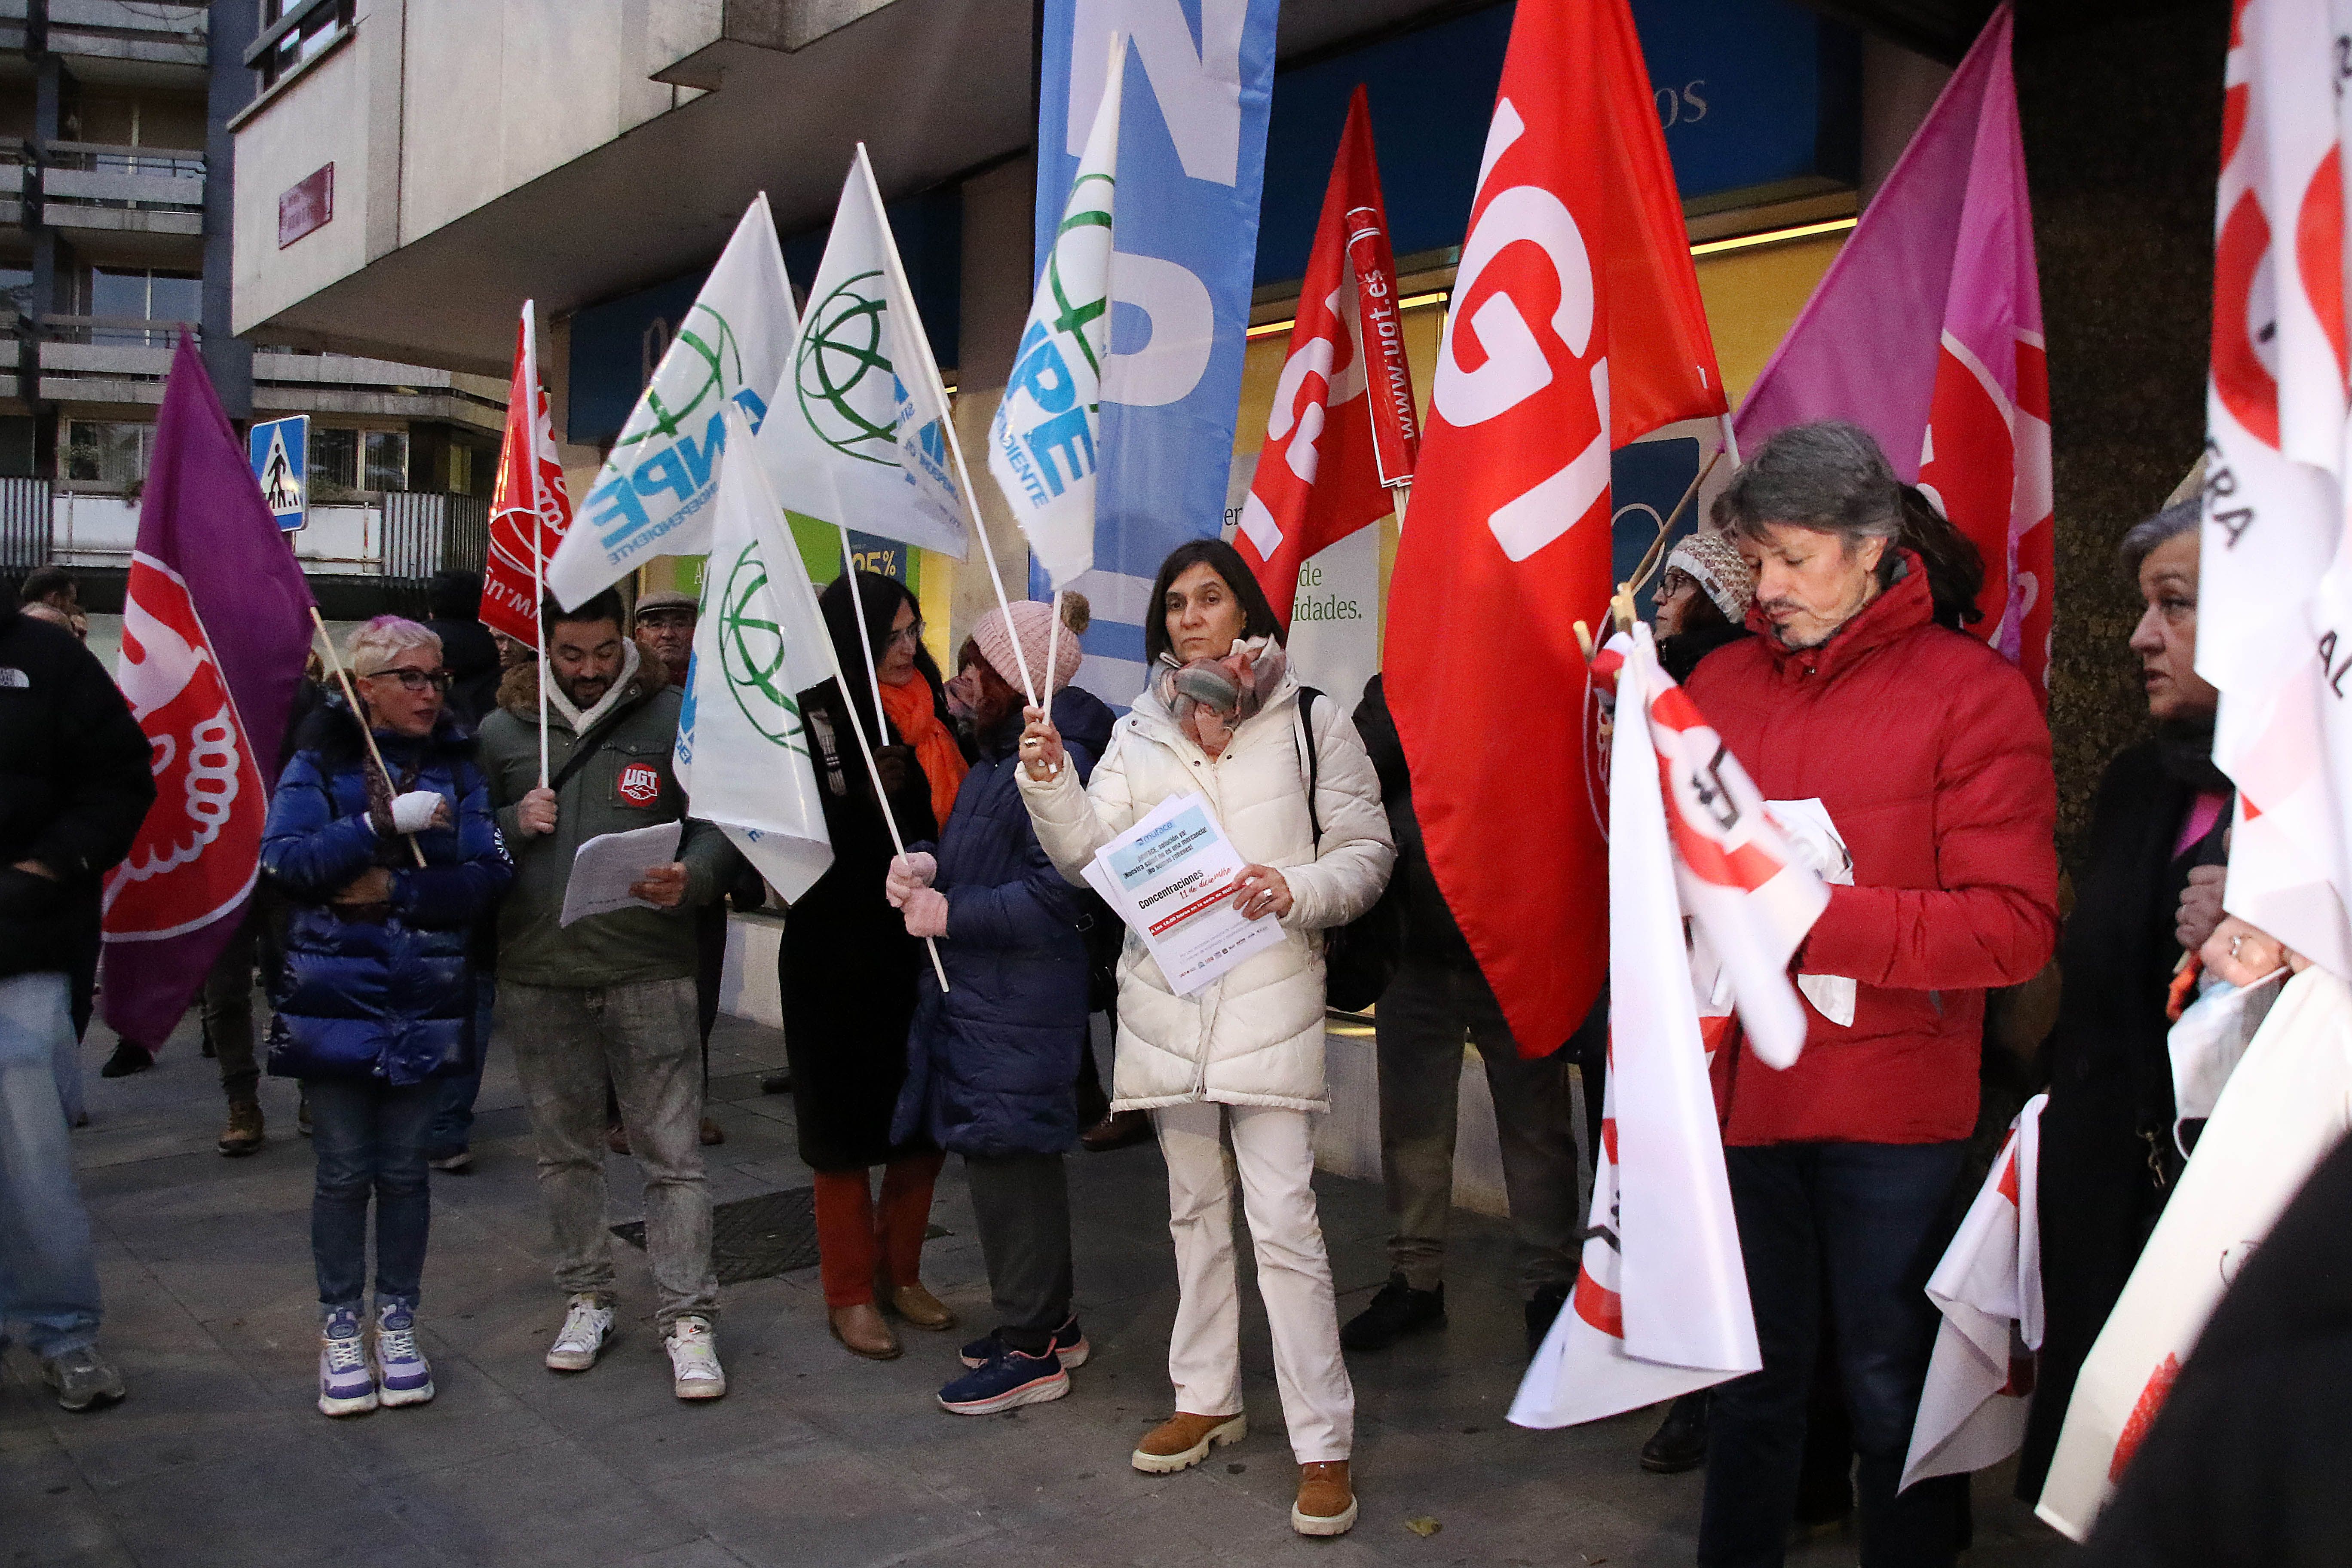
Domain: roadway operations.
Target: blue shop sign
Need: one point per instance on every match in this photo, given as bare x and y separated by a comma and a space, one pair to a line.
1760, 98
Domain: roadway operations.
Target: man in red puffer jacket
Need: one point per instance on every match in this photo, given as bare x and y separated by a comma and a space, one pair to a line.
1931, 760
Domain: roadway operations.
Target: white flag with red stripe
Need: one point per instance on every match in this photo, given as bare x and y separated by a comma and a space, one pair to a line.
1989, 1288
1661, 1302
2275, 585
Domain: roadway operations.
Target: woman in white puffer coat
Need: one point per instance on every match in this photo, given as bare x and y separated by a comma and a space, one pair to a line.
1240, 1063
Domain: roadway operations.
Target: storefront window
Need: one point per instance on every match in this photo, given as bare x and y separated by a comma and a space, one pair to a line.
387, 459
344, 461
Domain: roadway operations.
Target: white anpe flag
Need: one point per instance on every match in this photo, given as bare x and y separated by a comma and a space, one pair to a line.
1043, 445
1989, 1288
742, 749
1661, 1306
855, 436
653, 497
2274, 590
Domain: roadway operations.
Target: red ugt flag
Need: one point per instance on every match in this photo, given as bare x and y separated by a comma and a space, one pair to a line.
1342, 415
1576, 326
529, 508
210, 559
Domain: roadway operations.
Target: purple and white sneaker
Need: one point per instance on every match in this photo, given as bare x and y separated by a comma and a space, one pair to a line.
1014, 1378
1070, 1347
400, 1365
346, 1381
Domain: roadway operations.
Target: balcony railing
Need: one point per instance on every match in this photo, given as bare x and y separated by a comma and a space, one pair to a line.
121, 331
24, 526
81, 180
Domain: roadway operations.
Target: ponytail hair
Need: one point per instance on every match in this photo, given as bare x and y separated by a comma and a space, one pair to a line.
1956, 571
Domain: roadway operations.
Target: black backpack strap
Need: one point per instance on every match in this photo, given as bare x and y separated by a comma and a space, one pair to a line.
1306, 696
589, 745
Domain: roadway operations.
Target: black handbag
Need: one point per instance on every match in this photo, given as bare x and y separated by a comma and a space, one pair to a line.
1360, 957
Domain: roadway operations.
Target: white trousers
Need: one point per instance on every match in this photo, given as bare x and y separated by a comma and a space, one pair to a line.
1274, 1157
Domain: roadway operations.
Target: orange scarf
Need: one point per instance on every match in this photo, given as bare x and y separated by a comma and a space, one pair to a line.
909, 708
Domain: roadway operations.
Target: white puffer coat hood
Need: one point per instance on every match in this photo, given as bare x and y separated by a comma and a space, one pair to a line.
1254, 1035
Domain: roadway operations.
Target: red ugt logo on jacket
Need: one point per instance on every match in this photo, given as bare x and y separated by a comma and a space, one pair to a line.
640, 783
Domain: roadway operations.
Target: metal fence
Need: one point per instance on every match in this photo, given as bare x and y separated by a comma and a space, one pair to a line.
24, 525
424, 533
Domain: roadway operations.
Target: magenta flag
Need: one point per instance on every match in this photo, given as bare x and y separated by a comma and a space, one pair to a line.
1927, 331
216, 628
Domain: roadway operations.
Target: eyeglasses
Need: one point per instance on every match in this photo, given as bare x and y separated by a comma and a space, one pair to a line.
414, 680
911, 636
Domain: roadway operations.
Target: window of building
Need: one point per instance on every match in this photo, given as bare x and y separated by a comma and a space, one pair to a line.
344, 461
108, 451
322, 23
140, 294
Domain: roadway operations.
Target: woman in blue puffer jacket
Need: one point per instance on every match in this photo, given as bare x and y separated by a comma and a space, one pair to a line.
991, 1066
374, 1002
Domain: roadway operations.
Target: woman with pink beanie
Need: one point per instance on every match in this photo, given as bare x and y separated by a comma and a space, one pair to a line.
992, 1063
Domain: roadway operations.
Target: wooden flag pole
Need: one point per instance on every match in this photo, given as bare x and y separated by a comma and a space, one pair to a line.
359, 716
857, 721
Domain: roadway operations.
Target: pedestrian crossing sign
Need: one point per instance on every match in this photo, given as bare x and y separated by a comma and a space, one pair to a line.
280, 449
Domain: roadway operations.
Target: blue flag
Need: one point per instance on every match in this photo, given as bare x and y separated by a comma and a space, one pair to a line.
1191, 161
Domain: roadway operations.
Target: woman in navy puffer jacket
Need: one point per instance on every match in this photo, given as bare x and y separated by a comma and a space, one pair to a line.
991, 1065
376, 999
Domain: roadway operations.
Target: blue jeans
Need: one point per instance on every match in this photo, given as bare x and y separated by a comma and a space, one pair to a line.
48, 1281
453, 1115
370, 1139
1857, 1227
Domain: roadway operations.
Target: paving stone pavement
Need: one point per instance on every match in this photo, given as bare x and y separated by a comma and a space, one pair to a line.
814, 1457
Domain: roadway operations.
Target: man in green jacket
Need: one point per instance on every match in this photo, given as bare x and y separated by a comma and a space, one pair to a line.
610, 997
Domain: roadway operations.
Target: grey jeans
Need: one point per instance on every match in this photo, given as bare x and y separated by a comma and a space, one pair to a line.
1423, 1016
1021, 1205
566, 1041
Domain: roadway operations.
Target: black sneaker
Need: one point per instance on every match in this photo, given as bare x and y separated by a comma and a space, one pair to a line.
128, 1058
1680, 1442
1542, 1308
1399, 1310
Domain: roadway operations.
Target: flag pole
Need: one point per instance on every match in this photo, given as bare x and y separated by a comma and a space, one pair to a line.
539, 636
857, 722
1053, 640
921, 343
359, 716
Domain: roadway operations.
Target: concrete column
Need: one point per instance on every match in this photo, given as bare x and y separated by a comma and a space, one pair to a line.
999, 218
228, 359
2121, 105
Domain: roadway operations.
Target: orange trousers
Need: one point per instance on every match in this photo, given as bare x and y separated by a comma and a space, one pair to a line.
858, 1240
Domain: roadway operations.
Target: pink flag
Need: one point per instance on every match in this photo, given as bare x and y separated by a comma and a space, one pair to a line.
215, 628
1927, 331
1989, 1288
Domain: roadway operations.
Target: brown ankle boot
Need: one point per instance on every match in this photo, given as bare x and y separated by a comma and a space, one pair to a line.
913, 1303
1183, 1440
243, 1134
862, 1331
1327, 1500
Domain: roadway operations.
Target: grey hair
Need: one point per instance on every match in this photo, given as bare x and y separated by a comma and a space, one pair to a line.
377, 646
2180, 518
1829, 476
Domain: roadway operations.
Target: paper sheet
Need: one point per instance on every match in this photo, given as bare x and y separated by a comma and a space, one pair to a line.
1170, 878
1807, 827
605, 867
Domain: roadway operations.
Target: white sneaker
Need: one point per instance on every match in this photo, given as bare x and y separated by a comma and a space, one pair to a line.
586, 1326
693, 1360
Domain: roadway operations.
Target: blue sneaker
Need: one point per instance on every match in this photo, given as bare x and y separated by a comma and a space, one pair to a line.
1070, 1346
346, 1382
1014, 1378
400, 1365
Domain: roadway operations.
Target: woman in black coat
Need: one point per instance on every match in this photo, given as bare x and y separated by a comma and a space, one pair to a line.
2108, 1156
847, 967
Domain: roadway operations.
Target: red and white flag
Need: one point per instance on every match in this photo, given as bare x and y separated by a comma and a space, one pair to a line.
1660, 1301
1989, 1288
1575, 327
1927, 331
2274, 592
530, 509
1332, 434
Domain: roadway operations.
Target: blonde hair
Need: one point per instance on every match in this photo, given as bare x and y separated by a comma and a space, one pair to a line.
377, 646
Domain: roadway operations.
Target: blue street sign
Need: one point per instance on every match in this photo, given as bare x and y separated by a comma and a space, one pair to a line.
280, 452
